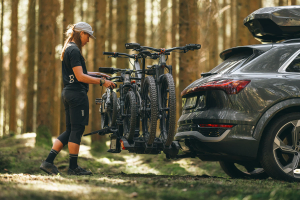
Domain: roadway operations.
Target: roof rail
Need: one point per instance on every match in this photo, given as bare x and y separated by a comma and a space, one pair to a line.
291, 40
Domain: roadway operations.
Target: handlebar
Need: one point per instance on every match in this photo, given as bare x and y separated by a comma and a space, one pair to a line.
100, 76
116, 54
186, 48
111, 70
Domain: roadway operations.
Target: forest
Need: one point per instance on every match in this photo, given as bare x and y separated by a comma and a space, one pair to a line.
32, 113
32, 35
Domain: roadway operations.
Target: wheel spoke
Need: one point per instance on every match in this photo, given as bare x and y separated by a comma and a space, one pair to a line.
278, 143
295, 132
289, 169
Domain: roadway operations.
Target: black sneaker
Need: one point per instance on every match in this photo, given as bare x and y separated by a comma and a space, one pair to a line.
79, 171
49, 168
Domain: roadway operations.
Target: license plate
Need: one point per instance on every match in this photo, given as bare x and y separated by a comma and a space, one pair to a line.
190, 102
113, 144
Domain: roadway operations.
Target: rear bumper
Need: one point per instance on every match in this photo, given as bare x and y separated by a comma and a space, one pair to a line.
197, 135
236, 142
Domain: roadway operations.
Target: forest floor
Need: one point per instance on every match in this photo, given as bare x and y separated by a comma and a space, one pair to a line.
124, 175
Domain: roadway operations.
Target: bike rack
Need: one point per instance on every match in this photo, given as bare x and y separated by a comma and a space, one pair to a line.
138, 145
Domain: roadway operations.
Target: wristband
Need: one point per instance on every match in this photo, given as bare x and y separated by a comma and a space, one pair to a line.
102, 81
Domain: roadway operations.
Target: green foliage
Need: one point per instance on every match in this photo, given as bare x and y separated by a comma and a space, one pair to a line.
119, 176
98, 146
43, 137
5, 163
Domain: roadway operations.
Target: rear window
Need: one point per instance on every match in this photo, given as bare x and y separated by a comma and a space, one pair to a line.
295, 65
271, 60
231, 63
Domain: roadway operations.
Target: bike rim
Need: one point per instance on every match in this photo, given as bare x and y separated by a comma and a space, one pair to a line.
127, 118
164, 122
147, 115
286, 148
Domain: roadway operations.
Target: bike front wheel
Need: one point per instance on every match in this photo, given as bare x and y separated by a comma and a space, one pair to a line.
130, 111
149, 105
168, 109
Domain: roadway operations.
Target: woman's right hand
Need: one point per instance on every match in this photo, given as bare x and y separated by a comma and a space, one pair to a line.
109, 84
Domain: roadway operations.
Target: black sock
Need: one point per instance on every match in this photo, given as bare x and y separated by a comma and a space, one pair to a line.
73, 161
51, 156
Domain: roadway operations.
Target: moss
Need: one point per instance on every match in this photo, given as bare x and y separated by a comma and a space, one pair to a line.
43, 137
5, 163
98, 147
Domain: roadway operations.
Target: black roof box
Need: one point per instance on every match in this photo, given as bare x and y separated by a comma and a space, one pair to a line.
273, 24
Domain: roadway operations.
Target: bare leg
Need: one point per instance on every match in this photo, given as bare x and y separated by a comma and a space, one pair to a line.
73, 148
57, 145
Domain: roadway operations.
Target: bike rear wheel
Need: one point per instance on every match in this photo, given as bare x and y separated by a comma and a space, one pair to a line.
103, 112
168, 109
149, 118
113, 111
129, 121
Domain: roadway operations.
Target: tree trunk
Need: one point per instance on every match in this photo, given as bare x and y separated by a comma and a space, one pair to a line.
13, 65
213, 38
90, 14
30, 66
1, 64
281, 2
253, 6
163, 24
188, 34
68, 18
174, 56
122, 26
224, 25
141, 28
242, 31
99, 61
57, 77
233, 11
46, 57
110, 32
152, 24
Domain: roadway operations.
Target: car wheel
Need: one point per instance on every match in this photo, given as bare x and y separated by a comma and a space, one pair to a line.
232, 170
280, 148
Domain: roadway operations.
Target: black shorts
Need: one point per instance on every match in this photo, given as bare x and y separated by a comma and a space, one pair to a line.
76, 106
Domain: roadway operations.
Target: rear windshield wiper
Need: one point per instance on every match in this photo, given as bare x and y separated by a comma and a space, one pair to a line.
207, 74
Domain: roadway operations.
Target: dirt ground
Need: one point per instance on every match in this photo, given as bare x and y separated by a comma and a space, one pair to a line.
123, 176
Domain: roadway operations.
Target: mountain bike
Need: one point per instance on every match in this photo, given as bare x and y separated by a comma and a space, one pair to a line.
136, 104
165, 87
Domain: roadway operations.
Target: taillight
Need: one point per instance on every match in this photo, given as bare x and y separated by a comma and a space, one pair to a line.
229, 86
122, 145
216, 125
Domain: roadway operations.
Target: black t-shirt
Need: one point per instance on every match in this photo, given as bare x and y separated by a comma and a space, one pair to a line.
73, 58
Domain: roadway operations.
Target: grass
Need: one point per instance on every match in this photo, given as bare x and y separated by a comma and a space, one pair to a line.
122, 176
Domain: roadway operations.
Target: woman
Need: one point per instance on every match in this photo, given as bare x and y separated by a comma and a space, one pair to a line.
74, 95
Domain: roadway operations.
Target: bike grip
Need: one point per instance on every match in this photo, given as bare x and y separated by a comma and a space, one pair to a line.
193, 46
109, 53
107, 70
132, 45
